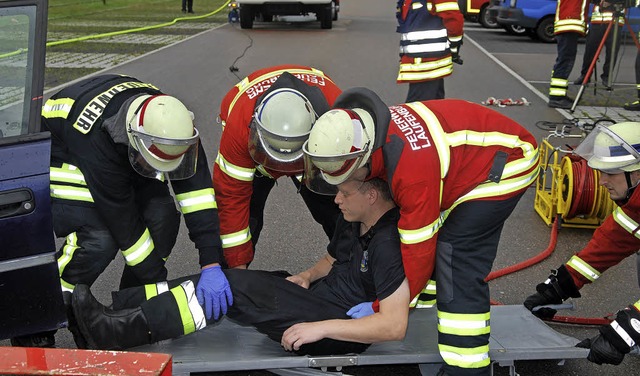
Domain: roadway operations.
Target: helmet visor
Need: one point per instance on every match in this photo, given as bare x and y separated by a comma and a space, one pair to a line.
148, 159
322, 173
604, 150
287, 160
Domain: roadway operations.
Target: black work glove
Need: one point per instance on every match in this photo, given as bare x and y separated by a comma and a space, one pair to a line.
455, 52
558, 287
601, 351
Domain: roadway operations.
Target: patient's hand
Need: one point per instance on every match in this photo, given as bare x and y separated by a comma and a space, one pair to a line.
302, 333
300, 279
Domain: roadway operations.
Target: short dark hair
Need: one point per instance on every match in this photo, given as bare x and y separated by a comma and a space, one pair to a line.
379, 185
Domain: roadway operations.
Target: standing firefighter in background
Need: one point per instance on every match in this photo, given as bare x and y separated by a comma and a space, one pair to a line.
570, 24
431, 37
456, 170
116, 143
615, 152
266, 118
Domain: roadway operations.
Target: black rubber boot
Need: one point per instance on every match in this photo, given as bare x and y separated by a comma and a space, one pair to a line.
72, 323
43, 339
106, 329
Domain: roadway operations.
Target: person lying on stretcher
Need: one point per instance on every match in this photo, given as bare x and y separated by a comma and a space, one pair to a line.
327, 309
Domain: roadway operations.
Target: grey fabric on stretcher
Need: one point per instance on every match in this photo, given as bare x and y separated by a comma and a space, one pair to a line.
515, 335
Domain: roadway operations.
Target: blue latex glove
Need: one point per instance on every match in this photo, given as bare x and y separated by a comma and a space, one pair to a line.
361, 310
213, 292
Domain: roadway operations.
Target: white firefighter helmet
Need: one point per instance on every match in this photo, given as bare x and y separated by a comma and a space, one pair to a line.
340, 142
281, 124
162, 138
612, 149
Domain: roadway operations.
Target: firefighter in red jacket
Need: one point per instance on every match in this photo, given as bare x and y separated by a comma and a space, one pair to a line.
456, 170
431, 37
266, 118
615, 152
570, 24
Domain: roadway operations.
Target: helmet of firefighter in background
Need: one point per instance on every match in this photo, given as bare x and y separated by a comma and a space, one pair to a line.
162, 137
340, 142
612, 149
281, 124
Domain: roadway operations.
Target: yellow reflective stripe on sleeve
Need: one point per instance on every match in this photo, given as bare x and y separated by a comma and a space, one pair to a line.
426, 298
57, 108
437, 133
236, 238
577, 264
236, 172
67, 174
70, 193
155, 289
475, 357
191, 313
637, 305
66, 286
421, 234
140, 250
194, 201
69, 248
463, 324
626, 222
442, 7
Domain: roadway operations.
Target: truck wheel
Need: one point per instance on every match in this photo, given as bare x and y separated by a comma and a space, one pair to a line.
326, 17
335, 8
485, 20
246, 16
545, 30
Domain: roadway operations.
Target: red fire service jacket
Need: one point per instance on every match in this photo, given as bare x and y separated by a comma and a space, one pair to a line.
234, 168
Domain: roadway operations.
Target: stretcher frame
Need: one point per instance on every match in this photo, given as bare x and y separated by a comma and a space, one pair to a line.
516, 334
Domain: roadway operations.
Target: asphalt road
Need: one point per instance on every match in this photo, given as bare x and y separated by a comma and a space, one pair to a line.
361, 50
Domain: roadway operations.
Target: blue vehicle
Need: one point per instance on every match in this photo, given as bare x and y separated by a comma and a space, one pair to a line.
537, 17
29, 281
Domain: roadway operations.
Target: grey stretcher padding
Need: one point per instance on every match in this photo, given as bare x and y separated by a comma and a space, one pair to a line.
515, 335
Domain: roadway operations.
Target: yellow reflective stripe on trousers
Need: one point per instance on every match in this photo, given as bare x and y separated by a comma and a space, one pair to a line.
67, 174
437, 133
140, 250
236, 172
464, 324
587, 271
69, 248
236, 238
70, 193
191, 313
245, 83
57, 108
626, 222
475, 357
194, 201
155, 289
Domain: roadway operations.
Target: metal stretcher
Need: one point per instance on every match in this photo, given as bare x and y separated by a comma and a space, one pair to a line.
515, 335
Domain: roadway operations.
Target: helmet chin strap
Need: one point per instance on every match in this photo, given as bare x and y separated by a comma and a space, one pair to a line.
630, 185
